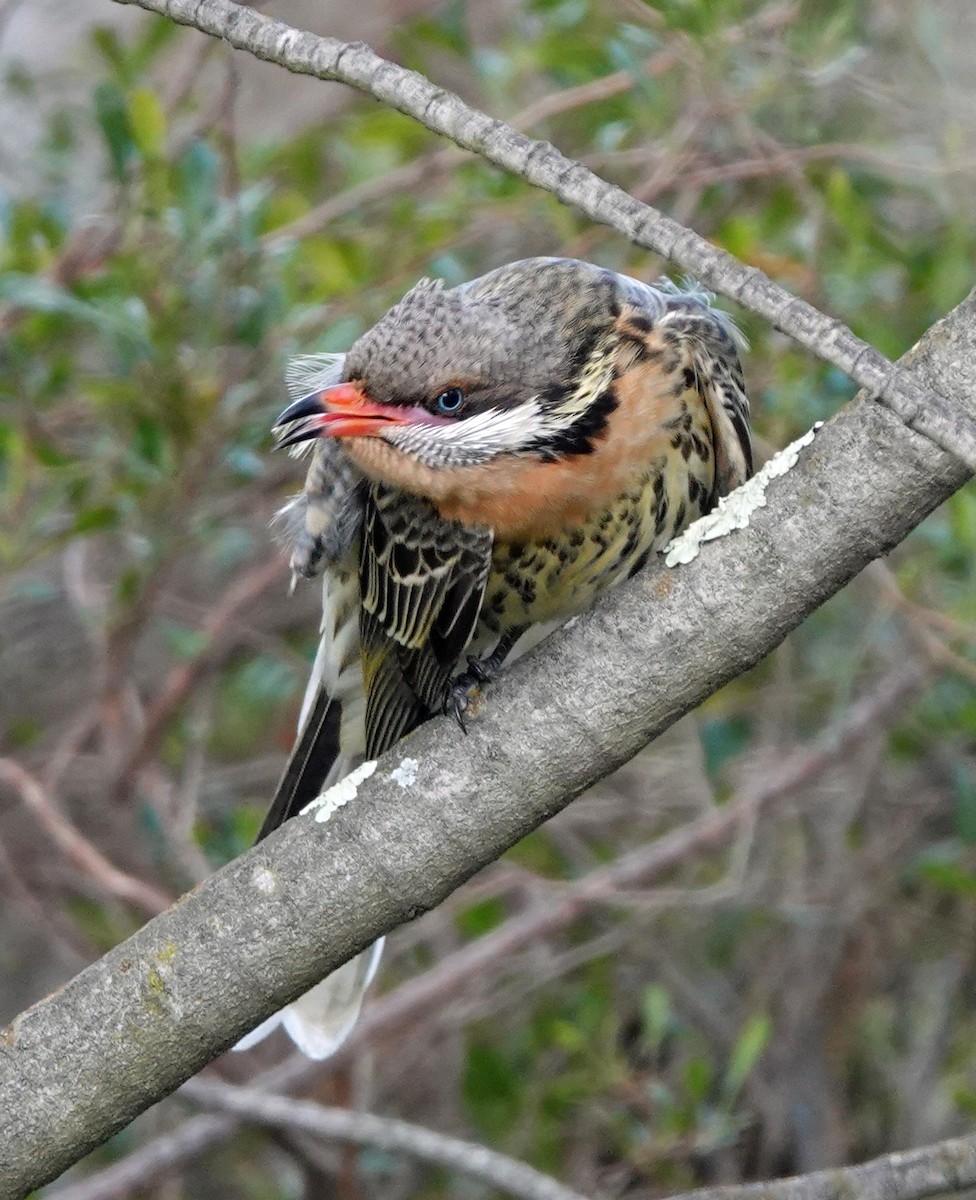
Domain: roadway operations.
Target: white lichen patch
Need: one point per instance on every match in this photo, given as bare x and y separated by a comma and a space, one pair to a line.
340, 793
406, 773
263, 880
733, 511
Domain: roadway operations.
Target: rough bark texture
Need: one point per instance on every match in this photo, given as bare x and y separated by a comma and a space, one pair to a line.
129, 1029
133, 1026
540, 163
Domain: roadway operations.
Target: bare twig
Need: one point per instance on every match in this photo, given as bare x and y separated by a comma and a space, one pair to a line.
51, 923
385, 1133
89, 861
144, 1166
779, 160
182, 679
945, 1167
542, 165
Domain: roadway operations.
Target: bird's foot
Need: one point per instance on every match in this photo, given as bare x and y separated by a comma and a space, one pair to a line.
465, 696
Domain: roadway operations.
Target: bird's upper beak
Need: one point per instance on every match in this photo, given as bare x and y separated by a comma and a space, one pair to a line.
339, 411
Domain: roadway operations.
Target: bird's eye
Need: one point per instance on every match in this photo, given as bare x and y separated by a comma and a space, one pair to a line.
451, 401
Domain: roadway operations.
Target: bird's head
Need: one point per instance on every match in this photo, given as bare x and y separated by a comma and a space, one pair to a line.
517, 362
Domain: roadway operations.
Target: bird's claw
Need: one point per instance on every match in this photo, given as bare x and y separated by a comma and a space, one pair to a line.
465, 696
462, 699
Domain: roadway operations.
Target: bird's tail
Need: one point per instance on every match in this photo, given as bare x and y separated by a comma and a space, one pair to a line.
330, 744
320, 1021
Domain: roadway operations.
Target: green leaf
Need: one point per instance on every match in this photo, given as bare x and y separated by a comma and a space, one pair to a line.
147, 122
198, 173
746, 1053
182, 641
108, 43
113, 117
149, 442
23, 732
697, 1078
965, 788
155, 36
100, 516
656, 1014
48, 454
244, 462
125, 319
492, 1090
37, 294
949, 877
723, 738
568, 1036
480, 918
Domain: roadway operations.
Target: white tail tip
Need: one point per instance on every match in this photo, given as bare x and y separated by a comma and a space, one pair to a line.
321, 1020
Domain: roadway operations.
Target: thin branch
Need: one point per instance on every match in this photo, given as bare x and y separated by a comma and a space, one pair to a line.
82, 855
182, 679
143, 1167
541, 164
943, 1168
778, 161
422, 169
385, 1133
49, 923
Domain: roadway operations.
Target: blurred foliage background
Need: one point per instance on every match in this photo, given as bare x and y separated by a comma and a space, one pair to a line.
725, 970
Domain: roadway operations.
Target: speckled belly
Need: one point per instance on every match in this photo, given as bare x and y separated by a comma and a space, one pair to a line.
553, 579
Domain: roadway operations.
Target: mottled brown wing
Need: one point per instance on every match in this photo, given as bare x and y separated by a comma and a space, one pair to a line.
722, 388
422, 582
711, 336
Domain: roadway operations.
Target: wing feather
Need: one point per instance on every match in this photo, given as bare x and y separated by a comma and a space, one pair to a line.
423, 582
712, 339
330, 737
308, 764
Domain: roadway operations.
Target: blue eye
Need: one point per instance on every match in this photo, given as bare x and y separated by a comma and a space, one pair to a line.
450, 401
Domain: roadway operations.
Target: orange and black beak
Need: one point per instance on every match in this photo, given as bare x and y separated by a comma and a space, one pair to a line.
339, 411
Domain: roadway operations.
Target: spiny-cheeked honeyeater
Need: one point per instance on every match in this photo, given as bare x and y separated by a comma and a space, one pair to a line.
487, 459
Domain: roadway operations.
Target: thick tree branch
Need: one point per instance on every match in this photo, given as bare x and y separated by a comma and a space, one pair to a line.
132, 1027
462, 970
928, 411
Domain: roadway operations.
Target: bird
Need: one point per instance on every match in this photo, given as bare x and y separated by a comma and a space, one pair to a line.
486, 461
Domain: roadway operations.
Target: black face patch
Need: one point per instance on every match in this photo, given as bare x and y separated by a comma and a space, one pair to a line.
579, 435
578, 438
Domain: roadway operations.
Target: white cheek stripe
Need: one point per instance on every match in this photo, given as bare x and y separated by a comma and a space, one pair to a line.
479, 437
482, 436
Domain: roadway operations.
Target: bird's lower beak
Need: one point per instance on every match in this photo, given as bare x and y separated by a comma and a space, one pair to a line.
339, 411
